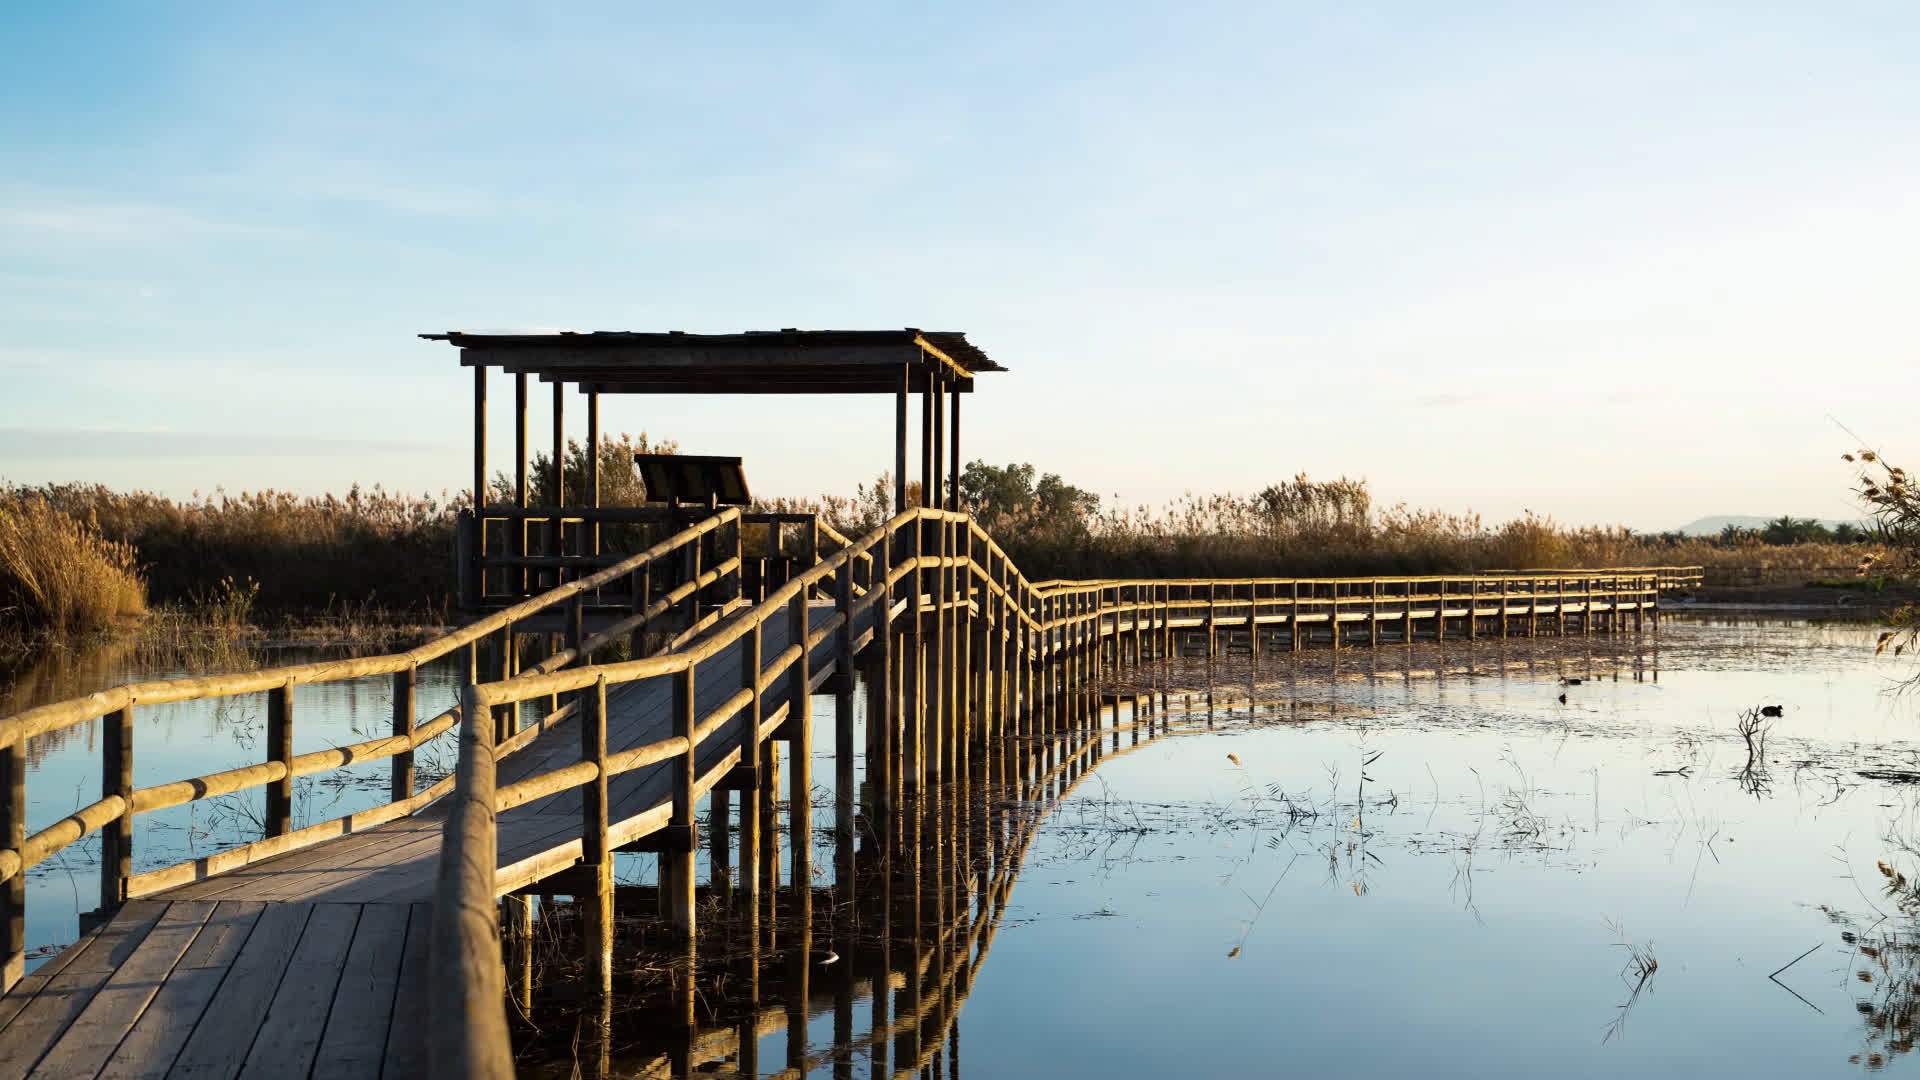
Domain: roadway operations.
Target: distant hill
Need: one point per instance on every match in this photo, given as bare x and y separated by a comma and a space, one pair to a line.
1712, 526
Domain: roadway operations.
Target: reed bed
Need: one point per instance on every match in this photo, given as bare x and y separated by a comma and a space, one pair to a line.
380, 553
59, 575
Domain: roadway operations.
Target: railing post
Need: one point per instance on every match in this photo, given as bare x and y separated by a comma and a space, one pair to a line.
405, 688
466, 1030
279, 817
597, 860
843, 781
799, 773
13, 833
116, 778
505, 716
676, 864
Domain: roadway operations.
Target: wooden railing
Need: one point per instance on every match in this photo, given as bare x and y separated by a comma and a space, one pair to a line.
932, 576
923, 562
661, 590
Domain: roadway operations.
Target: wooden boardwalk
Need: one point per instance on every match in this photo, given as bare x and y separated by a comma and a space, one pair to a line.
293, 965
369, 945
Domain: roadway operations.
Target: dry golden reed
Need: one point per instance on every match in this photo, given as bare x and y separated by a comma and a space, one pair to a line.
59, 575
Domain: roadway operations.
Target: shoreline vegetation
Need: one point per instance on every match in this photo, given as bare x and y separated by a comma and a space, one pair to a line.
80, 558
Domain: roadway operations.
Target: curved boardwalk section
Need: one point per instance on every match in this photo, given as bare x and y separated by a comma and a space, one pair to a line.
369, 945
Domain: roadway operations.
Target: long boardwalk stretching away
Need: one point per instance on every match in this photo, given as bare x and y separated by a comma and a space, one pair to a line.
370, 945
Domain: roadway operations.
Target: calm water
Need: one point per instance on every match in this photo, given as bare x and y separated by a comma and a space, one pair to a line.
1420, 863
185, 739
1415, 862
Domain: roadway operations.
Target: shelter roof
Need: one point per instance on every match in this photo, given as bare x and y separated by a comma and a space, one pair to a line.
755, 362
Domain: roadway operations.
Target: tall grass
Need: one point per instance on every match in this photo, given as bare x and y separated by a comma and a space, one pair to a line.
59, 575
305, 553
372, 551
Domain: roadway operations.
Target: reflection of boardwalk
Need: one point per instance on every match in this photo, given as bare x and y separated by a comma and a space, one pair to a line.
911, 926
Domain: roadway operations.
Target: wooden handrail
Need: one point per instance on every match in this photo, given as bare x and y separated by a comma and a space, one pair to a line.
63, 714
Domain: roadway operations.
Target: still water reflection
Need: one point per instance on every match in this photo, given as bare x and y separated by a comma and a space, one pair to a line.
1402, 861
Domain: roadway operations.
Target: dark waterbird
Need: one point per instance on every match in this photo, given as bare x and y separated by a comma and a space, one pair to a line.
1772, 710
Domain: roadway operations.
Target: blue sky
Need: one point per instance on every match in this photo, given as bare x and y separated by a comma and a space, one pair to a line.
1626, 264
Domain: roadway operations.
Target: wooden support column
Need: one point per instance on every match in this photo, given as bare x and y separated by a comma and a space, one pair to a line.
477, 548
901, 387
1253, 620
557, 478
953, 448
937, 497
406, 686
593, 470
928, 391
1333, 613
518, 530
595, 858
799, 775
279, 818
116, 778
882, 761
843, 762
479, 444
676, 866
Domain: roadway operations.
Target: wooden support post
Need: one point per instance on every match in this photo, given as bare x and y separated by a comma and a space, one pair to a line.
116, 778
557, 479
592, 542
676, 878
1293, 620
1406, 624
843, 780
595, 857
480, 450
406, 685
901, 388
751, 663
882, 762
1473, 605
799, 776
517, 530
1212, 647
927, 394
1373, 614
1440, 610
13, 834
279, 817
937, 497
1253, 620
1333, 613
505, 717
720, 844
953, 448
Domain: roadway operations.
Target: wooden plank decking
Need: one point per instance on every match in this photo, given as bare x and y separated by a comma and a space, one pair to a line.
313, 963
